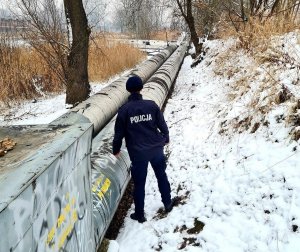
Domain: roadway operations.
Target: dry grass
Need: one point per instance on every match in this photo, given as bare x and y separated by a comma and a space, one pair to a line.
256, 37
109, 57
256, 32
25, 75
165, 35
257, 84
260, 88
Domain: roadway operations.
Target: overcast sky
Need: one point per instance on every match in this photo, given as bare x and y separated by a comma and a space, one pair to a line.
98, 18
7, 5
106, 16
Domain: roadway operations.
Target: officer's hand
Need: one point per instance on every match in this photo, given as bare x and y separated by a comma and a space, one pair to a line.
117, 154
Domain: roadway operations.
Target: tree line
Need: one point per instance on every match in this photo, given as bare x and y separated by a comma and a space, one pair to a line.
61, 34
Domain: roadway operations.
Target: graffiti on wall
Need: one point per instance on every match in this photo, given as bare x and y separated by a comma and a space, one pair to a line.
54, 213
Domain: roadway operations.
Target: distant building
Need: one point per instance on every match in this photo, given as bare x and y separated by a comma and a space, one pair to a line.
8, 25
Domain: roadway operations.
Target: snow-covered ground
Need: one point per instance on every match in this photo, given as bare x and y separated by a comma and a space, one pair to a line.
243, 187
232, 159
41, 111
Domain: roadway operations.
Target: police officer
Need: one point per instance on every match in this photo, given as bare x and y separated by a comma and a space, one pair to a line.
142, 124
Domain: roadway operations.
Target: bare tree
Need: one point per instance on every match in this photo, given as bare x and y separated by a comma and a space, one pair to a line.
239, 11
187, 12
142, 17
78, 87
45, 33
95, 12
66, 54
207, 14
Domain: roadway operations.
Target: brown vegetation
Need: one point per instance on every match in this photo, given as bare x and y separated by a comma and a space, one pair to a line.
255, 32
24, 74
109, 57
166, 35
6, 145
262, 38
255, 22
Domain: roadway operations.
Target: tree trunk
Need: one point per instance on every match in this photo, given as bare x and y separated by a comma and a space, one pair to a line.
189, 18
78, 87
244, 18
191, 24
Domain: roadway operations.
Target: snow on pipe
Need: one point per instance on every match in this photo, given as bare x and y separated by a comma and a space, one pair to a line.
101, 107
110, 175
158, 86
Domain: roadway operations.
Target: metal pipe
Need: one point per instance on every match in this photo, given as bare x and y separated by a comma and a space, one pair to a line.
110, 175
101, 107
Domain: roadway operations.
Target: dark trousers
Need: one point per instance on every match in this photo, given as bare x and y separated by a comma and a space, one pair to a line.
139, 174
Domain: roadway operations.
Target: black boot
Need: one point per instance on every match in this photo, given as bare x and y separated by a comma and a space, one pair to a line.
174, 202
140, 219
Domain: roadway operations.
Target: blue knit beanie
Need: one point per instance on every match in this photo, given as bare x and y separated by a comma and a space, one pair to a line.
134, 84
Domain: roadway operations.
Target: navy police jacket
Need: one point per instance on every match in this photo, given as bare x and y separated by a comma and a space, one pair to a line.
142, 124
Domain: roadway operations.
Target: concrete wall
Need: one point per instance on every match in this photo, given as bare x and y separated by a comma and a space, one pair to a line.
46, 196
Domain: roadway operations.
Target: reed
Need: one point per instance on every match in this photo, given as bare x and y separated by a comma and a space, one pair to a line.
108, 57
257, 32
24, 74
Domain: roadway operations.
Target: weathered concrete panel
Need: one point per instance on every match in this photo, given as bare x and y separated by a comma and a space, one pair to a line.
46, 202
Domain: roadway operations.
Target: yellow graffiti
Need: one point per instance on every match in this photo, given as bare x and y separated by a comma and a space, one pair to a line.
68, 213
100, 194
106, 185
97, 183
74, 216
67, 209
67, 230
104, 188
60, 220
51, 235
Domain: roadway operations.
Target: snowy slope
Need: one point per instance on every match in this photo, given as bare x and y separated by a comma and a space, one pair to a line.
243, 187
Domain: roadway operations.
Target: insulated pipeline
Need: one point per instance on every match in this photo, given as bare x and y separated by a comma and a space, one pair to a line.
158, 86
101, 107
110, 175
